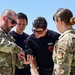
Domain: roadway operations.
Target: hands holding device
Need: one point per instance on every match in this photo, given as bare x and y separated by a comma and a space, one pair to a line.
26, 56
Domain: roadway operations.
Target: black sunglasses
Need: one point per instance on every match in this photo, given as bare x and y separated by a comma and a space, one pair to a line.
12, 20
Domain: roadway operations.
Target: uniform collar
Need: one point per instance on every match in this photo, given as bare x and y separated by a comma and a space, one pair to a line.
7, 34
68, 31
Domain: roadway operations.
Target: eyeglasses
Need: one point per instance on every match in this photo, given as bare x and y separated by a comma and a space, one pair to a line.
38, 31
12, 20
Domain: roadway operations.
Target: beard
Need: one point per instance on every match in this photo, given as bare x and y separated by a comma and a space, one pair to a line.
7, 29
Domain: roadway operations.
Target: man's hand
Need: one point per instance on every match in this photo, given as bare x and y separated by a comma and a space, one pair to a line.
29, 59
21, 56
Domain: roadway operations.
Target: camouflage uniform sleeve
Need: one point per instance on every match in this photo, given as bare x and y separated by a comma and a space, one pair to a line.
62, 59
73, 60
9, 47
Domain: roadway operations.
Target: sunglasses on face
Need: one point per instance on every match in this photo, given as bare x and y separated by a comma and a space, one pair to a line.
12, 20
37, 31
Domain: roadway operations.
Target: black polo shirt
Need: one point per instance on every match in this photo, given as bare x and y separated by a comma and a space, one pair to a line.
43, 48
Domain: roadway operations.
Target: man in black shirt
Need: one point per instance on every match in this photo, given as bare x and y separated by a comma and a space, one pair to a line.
20, 39
42, 42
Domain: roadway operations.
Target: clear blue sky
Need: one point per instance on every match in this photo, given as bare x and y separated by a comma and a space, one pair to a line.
35, 8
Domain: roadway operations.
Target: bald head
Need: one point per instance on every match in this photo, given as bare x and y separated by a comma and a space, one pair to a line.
8, 12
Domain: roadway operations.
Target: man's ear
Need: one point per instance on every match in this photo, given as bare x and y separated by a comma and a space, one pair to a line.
46, 30
4, 18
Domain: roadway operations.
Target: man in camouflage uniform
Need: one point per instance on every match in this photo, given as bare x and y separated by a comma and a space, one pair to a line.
8, 49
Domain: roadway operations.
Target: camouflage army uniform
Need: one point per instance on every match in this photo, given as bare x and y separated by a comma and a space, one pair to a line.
64, 54
8, 51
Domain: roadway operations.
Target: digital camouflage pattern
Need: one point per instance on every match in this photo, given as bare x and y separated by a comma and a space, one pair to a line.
8, 51
64, 54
